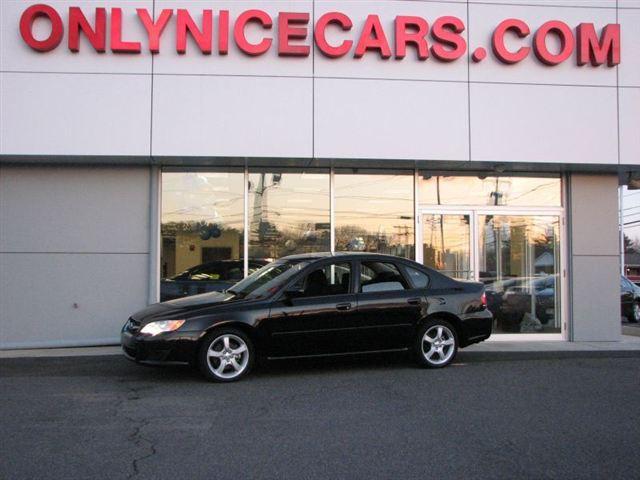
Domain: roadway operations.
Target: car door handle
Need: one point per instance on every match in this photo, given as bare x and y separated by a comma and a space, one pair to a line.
414, 301
343, 306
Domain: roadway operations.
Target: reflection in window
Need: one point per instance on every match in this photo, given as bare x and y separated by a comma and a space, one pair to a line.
446, 244
490, 191
520, 265
380, 277
374, 213
332, 279
202, 232
288, 213
418, 278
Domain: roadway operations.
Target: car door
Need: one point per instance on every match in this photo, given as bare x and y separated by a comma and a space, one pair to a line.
316, 315
388, 306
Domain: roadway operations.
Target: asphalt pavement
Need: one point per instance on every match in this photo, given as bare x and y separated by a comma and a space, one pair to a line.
568, 415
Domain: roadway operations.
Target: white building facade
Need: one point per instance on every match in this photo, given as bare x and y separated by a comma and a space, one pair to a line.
153, 149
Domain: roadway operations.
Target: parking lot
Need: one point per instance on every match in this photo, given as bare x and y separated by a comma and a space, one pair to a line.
490, 415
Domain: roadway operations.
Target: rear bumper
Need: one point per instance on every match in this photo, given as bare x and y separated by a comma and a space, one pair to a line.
174, 347
476, 327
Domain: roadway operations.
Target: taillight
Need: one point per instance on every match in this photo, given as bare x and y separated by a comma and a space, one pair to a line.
483, 299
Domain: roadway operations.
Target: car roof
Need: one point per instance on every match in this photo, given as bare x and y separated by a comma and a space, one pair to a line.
322, 255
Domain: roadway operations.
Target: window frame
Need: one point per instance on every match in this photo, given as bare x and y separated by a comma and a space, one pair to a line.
317, 265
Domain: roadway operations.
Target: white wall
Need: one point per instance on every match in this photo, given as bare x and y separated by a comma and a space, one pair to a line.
193, 105
71, 236
595, 258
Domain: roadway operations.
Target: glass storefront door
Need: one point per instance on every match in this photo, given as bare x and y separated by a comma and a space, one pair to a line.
446, 244
519, 262
515, 254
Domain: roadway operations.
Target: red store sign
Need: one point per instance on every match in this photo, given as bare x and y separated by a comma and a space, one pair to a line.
441, 40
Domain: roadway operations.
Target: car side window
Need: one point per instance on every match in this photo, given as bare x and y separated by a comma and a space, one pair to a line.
418, 279
332, 279
381, 277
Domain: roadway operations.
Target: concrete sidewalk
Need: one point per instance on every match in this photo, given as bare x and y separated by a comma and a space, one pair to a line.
627, 344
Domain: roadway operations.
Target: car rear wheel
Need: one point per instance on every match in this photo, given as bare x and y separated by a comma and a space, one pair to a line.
226, 355
437, 344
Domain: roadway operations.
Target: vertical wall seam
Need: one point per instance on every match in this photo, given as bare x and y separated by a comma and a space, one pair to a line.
313, 86
155, 247
469, 79
153, 9
618, 94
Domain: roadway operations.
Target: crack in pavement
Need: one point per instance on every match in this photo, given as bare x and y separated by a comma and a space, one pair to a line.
136, 436
139, 440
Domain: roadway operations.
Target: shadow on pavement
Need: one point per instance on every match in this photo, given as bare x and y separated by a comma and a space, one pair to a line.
116, 366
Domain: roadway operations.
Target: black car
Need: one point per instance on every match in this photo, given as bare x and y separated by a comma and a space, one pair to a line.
312, 305
629, 300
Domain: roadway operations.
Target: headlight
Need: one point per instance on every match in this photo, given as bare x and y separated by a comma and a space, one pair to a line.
154, 328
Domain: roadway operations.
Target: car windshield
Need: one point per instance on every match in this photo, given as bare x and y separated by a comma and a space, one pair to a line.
267, 280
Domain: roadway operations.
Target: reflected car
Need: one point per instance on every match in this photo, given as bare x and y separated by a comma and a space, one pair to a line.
207, 277
510, 300
314, 305
629, 300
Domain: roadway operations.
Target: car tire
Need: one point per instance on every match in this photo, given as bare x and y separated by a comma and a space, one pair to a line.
436, 344
635, 313
226, 355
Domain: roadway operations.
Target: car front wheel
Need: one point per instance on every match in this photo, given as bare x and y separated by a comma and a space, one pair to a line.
226, 355
437, 344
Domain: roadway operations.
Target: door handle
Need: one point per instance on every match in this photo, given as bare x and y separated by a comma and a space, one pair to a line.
414, 301
343, 306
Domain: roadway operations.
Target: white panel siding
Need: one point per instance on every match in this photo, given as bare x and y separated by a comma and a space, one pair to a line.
232, 116
74, 114
630, 126
65, 209
485, 18
554, 3
371, 65
16, 55
38, 292
236, 62
391, 119
630, 60
531, 123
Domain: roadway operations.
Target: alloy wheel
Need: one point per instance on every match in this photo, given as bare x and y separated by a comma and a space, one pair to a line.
227, 356
438, 345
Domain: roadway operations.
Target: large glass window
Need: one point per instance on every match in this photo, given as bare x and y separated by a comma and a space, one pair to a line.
489, 191
446, 244
520, 264
374, 213
289, 212
202, 232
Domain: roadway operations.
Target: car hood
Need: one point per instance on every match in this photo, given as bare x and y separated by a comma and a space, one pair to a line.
183, 306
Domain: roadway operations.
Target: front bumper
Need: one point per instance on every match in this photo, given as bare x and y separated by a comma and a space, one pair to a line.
171, 347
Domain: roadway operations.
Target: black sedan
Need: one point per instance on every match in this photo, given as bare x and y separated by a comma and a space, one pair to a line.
629, 300
312, 305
